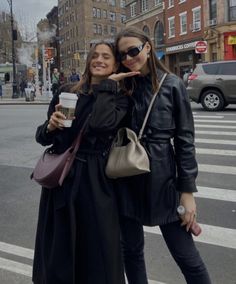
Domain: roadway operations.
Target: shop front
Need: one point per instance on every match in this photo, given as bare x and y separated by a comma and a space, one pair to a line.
230, 45
181, 58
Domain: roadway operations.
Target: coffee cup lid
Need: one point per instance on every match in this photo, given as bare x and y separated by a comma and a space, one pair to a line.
68, 96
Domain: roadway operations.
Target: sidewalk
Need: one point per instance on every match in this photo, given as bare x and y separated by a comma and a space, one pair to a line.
39, 100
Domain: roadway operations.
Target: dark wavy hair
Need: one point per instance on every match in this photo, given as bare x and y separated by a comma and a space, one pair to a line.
87, 76
154, 63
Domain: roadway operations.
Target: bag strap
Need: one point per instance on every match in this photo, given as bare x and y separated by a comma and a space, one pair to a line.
77, 141
150, 107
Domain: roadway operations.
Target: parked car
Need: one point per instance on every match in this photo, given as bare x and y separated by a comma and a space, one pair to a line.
213, 84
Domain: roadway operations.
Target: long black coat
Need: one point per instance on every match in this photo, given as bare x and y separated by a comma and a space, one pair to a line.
78, 232
153, 198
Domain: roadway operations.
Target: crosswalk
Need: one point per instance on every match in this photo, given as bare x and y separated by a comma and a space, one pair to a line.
215, 145
216, 151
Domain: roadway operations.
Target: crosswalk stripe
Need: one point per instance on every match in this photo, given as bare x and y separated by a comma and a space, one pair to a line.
16, 250
215, 121
215, 141
216, 193
15, 267
222, 133
217, 169
215, 126
218, 236
220, 152
208, 116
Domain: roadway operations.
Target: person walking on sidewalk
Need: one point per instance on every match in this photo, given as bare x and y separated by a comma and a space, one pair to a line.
78, 237
152, 199
1, 91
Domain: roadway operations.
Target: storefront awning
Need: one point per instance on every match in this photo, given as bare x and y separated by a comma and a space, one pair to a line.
160, 54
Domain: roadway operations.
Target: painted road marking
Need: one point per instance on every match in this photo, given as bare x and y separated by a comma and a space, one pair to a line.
220, 152
215, 141
217, 169
216, 193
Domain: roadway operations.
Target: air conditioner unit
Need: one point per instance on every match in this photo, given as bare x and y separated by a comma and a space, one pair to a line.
212, 22
196, 26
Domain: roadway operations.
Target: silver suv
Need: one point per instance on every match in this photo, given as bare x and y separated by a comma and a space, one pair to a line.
213, 84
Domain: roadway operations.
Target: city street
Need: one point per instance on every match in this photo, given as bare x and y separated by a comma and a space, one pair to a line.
216, 199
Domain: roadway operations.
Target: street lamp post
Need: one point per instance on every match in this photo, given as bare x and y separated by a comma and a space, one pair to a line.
14, 85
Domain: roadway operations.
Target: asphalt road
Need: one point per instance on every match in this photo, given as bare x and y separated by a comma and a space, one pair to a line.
216, 200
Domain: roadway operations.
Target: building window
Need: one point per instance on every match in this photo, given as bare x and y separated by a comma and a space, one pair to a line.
196, 19
171, 3
98, 13
99, 29
212, 11
171, 22
144, 5
183, 23
122, 3
158, 2
112, 16
159, 34
104, 13
122, 18
94, 28
94, 12
146, 30
105, 30
133, 9
232, 10
113, 30
182, 1
112, 2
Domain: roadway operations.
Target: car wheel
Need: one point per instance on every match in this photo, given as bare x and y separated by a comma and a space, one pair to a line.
212, 100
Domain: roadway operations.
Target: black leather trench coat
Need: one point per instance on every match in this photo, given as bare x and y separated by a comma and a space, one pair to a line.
169, 140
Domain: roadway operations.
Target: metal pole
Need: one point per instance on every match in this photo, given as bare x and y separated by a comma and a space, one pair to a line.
14, 85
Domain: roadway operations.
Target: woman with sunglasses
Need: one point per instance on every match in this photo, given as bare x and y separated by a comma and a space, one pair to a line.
152, 199
78, 236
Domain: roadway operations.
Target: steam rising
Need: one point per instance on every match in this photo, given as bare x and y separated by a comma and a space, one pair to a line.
47, 34
25, 54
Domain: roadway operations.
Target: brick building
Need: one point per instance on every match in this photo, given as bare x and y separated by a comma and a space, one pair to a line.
148, 15
184, 27
82, 23
220, 29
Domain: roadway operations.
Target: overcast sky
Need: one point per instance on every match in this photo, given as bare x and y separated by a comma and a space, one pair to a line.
29, 12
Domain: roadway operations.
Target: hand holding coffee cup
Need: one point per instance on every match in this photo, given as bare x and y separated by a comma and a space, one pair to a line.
64, 114
68, 103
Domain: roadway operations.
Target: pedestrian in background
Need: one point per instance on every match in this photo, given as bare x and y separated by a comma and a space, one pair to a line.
152, 199
55, 81
1, 91
74, 77
78, 237
23, 85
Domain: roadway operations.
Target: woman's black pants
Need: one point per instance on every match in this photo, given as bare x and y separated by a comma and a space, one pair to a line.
179, 242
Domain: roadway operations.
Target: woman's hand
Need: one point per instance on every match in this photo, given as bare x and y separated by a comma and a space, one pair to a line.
56, 120
121, 76
188, 201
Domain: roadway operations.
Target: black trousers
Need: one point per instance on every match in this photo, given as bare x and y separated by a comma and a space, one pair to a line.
179, 242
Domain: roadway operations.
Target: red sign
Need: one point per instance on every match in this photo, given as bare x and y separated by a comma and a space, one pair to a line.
201, 47
49, 53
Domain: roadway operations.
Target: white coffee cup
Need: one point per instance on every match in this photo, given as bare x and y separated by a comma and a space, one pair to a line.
68, 103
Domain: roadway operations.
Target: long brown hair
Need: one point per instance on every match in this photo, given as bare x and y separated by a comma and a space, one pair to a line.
153, 62
87, 76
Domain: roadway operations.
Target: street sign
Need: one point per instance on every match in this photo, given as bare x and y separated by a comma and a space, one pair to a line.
201, 47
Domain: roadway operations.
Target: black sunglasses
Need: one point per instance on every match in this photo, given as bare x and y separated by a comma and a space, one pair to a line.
132, 52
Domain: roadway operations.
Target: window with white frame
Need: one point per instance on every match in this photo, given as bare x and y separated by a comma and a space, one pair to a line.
104, 13
112, 16
144, 5
122, 18
171, 3
183, 23
171, 22
122, 3
158, 2
133, 9
196, 18
181, 1
94, 12
98, 13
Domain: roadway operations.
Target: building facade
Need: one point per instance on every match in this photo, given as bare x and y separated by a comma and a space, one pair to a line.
148, 15
81, 23
220, 29
184, 28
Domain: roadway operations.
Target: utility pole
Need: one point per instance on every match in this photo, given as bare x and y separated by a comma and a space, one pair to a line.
13, 34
